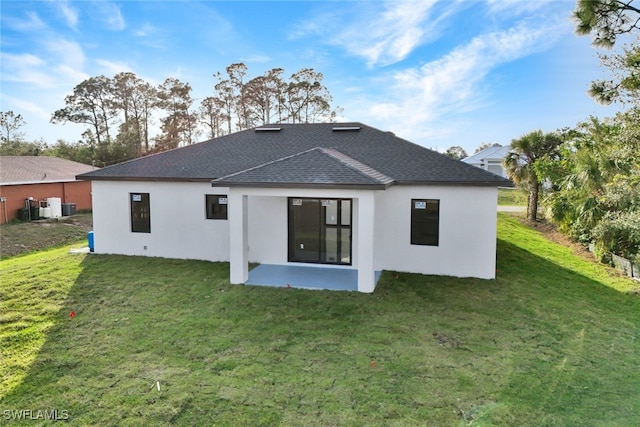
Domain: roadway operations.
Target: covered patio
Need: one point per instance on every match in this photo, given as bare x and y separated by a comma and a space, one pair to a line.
271, 249
306, 277
326, 216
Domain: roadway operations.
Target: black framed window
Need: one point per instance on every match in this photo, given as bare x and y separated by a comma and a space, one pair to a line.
425, 222
140, 213
216, 206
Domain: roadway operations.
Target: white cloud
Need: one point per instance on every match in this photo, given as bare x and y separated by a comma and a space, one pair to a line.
64, 63
72, 75
70, 14
32, 23
65, 52
516, 7
390, 35
146, 30
256, 58
23, 105
151, 36
111, 15
26, 68
381, 36
454, 83
110, 68
49, 61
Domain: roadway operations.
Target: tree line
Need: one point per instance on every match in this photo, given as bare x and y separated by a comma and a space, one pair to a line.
588, 179
588, 176
121, 112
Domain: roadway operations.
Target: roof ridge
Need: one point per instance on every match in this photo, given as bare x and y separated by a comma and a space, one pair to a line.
264, 164
332, 154
357, 165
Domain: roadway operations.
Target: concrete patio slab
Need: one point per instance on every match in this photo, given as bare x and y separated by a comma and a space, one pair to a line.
305, 277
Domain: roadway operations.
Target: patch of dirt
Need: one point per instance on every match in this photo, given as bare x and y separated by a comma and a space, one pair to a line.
446, 340
72, 220
18, 238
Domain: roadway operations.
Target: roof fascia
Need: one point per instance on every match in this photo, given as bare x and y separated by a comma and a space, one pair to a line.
301, 185
57, 181
505, 183
141, 178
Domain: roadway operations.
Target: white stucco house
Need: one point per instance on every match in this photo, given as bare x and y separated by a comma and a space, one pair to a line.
490, 159
344, 196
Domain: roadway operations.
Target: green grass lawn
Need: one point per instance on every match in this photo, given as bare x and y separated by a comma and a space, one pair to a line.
512, 197
554, 340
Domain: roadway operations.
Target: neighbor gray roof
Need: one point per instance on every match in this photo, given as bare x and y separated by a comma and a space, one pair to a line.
321, 154
490, 153
39, 169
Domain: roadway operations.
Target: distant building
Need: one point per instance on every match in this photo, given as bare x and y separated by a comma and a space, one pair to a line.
490, 159
39, 178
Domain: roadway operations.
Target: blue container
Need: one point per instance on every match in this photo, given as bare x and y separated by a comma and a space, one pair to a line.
90, 238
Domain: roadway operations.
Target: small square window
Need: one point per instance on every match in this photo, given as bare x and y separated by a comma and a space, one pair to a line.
216, 206
425, 222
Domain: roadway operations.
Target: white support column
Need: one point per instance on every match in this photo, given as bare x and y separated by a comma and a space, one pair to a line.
365, 207
238, 237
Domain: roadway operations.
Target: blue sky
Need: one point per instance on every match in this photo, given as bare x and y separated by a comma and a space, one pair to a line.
439, 73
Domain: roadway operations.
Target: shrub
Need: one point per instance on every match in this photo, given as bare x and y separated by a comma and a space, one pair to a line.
619, 233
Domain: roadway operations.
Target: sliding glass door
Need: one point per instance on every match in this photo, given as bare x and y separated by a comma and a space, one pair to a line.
320, 230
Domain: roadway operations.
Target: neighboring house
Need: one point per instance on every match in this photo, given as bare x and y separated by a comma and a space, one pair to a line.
490, 159
342, 195
41, 177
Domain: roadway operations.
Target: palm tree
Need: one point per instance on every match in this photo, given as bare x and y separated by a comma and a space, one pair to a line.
521, 160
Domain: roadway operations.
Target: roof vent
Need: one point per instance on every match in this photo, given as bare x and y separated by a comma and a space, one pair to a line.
346, 128
268, 129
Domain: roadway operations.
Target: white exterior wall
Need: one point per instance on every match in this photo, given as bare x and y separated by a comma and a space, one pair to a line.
467, 236
179, 228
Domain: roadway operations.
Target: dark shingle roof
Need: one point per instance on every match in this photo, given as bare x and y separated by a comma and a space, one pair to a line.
310, 154
318, 167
